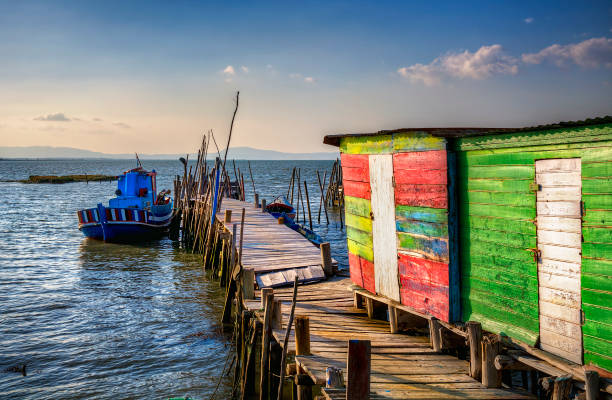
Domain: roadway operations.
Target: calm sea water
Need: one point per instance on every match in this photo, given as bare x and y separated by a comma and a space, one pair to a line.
97, 320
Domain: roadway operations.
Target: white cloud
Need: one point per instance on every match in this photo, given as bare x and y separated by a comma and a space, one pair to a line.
486, 61
244, 69
229, 71
57, 117
528, 20
591, 53
295, 76
309, 79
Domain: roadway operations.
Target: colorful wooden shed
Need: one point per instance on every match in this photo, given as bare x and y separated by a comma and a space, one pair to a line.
507, 227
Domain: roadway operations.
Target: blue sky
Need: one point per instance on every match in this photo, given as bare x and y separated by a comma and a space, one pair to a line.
153, 76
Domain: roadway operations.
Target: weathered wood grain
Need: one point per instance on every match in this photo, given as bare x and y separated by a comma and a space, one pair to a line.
434, 196
435, 159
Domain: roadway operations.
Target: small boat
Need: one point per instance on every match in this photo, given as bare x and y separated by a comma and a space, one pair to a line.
281, 205
137, 212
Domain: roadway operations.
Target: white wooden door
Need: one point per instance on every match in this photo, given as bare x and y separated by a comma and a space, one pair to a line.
559, 229
383, 226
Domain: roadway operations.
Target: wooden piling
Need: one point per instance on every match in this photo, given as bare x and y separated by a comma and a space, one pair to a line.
308, 203
265, 346
228, 216
256, 202
392, 318
248, 283
326, 259
302, 348
591, 385
358, 370
474, 330
491, 377
434, 334
263, 205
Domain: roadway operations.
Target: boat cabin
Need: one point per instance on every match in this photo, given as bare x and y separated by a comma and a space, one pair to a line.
136, 188
508, 227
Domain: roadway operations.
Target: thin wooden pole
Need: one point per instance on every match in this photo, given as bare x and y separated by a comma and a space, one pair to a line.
251, 173
474, 330
241, 236
286, 339
265, 345
308, 203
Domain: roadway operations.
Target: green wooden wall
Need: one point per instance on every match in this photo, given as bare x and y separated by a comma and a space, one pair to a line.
499, 285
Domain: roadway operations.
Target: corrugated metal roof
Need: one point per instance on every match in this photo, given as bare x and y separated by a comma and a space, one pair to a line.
334, 140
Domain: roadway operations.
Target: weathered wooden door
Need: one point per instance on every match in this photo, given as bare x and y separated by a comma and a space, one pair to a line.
383, 226
559, 230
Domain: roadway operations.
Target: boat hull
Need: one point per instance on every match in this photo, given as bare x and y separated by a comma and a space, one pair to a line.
120, 225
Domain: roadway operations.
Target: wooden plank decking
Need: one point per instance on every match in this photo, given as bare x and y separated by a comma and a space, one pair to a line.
402, 366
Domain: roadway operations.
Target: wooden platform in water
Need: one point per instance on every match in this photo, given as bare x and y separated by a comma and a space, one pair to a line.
273, 250
402, 366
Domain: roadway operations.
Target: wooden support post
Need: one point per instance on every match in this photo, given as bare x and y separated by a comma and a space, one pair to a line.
591, 385
256, 200
392, 318
265, 346
434, 334
358, 370
274, 369
491, 377
302, 335
265, 292
308, 203
333, 378
263, 205
474, 330
302, 348
228, 216
562, 387
248, 283
241, 236
357, 300
326, 259
281, 220
277, 314
370, 307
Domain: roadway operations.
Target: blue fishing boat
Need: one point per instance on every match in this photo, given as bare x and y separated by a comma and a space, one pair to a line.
137, 212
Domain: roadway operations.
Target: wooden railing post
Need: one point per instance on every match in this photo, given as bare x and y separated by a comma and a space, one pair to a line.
248, 283
491, 377
392, 318
326, 259
591, 385
265, 292
228, 216
263, 205
474, 330
434, 334
358, 366
256, 202
302, 348
265, 345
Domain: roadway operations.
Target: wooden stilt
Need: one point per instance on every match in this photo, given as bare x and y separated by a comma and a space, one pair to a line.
474, 330
358, 370
434, 334
491, 377
392, 319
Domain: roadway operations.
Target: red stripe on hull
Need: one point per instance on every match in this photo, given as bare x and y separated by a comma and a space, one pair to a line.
109, 215
421, 195
357, 189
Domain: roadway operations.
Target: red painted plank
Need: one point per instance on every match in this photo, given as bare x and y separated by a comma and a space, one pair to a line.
423, 270
425, 302
362, 272
420, 159
421, 176
421, 195
357, 189
355, 161
355, 174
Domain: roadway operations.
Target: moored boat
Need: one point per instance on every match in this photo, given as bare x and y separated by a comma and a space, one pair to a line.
279, 206
137, 212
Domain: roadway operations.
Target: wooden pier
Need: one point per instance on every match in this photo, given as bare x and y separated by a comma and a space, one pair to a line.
400, 365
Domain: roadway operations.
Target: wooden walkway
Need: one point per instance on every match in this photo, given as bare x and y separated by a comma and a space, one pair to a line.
403, 366
272, 249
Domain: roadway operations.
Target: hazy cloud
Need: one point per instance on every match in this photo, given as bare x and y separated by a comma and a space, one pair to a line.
122, 125
528, 20
295, 76
229, 71
244, 69
591, 53
97, 120
58, 117
309, 79
481, 64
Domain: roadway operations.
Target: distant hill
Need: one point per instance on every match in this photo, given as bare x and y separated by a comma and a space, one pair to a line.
237, 153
